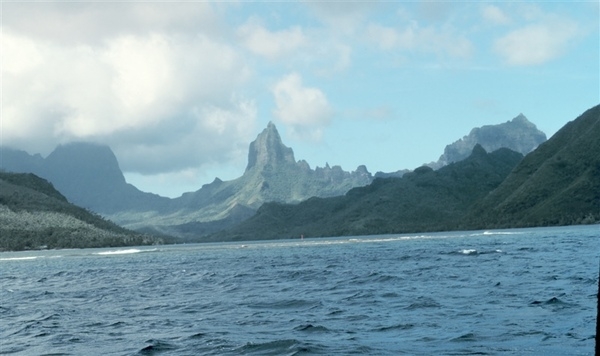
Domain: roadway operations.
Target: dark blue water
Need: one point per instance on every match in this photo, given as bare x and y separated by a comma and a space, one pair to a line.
513, 292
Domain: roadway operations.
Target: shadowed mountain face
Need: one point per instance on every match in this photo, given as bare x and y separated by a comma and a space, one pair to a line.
87, 174
557, 184
519, 135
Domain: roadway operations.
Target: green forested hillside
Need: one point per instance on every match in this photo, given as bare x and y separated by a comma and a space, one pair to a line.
424, 200
557, 184
34, 215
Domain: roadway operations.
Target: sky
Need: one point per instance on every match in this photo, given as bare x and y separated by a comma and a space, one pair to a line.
179, 89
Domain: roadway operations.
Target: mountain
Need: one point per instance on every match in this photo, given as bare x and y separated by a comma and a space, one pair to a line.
518, 134
272, 175
35, 215
423, 200
89, 176
557, 184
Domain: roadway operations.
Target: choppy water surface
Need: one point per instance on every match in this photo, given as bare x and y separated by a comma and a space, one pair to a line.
513, 292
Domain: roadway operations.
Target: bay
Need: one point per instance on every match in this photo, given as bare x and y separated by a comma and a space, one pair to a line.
515, 292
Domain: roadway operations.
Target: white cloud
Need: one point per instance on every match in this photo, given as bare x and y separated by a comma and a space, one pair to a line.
269, 44
493, 14
428, 40
536, 43
304, 109
163, 101
76, 22
342, 16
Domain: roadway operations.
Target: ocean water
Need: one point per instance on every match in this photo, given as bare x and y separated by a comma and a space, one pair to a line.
513, 292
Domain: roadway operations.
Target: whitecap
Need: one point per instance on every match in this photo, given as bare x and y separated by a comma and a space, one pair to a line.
120, 252
19, 258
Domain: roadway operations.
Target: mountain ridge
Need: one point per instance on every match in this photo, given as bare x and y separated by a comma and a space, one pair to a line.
90, 176
556, 184
388, 205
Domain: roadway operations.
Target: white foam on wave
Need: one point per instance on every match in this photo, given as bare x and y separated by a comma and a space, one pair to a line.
125, 251
120, 252
19, 258
500, 233
468, 251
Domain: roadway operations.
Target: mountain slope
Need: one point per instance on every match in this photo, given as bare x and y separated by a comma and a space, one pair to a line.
557, 184
33, 215
424, 200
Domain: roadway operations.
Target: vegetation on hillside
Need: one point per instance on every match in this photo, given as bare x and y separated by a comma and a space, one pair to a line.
557, 184
34, 215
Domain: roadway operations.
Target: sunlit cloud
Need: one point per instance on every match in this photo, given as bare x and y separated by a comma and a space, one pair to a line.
536, 43
271, 44
305, 110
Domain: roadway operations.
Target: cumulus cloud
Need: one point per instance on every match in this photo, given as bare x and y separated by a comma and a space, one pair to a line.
271, 44
536, 43
164, 99
305, 110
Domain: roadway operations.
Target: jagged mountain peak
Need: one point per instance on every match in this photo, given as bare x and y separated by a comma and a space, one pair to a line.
518, 134
269, 150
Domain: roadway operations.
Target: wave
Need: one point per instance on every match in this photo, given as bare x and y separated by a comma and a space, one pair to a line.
19, 258
277, 347
501, 233
124, 252
156, 346
473, 252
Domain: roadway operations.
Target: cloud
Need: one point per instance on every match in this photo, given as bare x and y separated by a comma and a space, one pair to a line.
73, 23
271, 45
164, 100
206, 136
493, 14
435, 11
304, 109
426, 40
536, 43
342, 16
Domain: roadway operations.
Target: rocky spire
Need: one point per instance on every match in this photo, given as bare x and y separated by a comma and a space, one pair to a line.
268, 150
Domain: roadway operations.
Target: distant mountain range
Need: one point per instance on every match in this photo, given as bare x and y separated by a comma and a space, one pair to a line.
89, 176
423, 200
556, 184
34, 215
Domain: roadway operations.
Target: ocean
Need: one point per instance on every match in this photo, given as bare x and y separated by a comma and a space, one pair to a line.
499, 292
